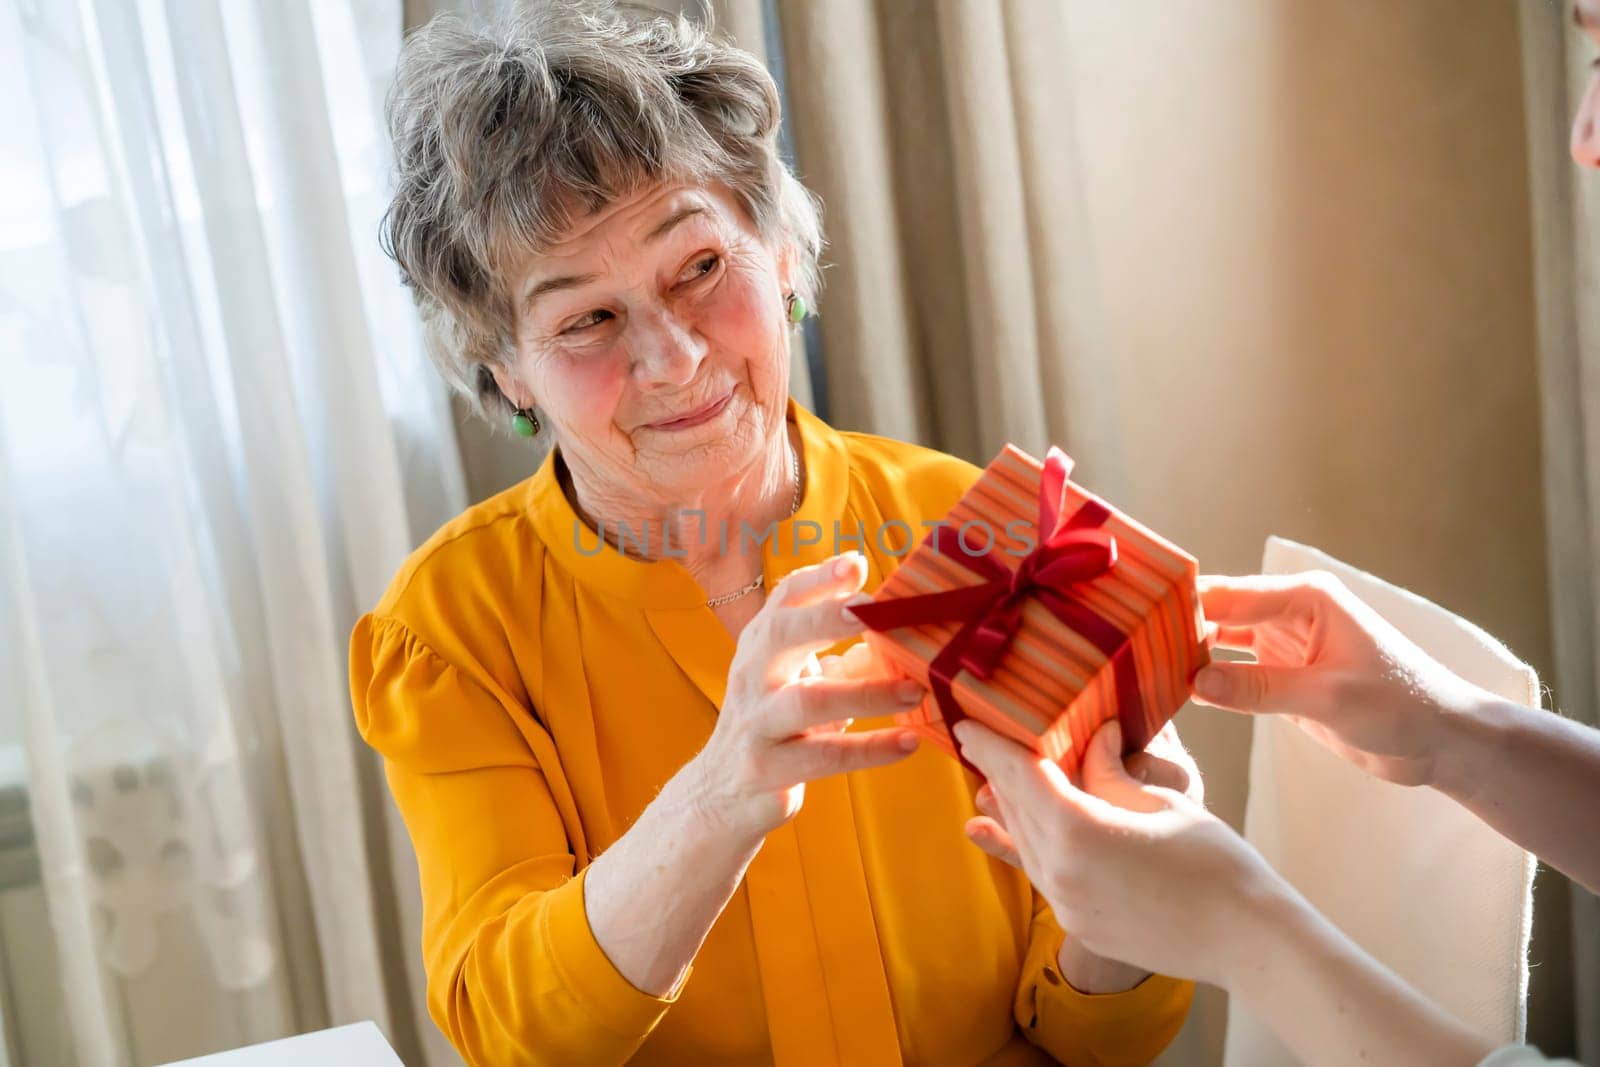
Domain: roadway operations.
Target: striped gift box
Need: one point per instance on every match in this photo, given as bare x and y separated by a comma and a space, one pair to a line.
1105, 619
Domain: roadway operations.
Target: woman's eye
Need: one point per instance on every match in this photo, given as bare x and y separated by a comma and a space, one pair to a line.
593, 318
699, 269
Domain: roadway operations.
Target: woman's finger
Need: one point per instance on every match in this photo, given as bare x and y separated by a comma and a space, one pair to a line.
1016, 773
985, 801
837, 576
1105, 776
814, 702
992, 838
1250, 600
1165, 762
1150, 769
1250, 687
998, 758
859, 661
784, 640
1238, 638
803, 615
806, 759
1040, 830
786, 637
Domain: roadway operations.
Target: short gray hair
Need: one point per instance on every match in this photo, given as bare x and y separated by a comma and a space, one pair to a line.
506, 134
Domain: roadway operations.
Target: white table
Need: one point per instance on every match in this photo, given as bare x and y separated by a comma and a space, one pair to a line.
356, 1045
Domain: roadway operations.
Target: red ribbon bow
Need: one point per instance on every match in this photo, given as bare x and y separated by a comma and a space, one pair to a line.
1075, 549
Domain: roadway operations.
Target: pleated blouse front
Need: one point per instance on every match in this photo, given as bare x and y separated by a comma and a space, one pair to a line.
530, 689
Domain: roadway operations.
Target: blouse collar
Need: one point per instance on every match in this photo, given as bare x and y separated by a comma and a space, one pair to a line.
665, 583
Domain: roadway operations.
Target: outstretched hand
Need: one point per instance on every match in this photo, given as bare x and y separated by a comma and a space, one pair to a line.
1336, 667
1137, 871
1164, 762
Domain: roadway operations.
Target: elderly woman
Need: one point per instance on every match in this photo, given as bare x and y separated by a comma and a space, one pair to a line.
648, 822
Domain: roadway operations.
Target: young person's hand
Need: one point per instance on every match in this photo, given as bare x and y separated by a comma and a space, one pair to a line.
1142, 873
1342, 672
1361, 688
1137, 872
1164, 762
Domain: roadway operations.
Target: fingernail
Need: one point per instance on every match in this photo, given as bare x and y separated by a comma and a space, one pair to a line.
961, 730
909, 691
1211, 684
854, 601
908, 742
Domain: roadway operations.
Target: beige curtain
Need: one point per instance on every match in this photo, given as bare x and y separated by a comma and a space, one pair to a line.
1566, 213
959, 301
1261, 267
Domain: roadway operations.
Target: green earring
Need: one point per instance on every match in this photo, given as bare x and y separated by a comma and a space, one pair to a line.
525, 422
797, 309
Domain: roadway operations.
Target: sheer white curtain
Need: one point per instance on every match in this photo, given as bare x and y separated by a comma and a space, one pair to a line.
219, 436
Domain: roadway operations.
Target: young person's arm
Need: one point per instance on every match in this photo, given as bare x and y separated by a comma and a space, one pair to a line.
1144, 874
1366, 692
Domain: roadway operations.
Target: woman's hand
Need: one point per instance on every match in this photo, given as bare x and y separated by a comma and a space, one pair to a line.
783, 721
1357, 685
1137, 872
652, 897
1145, 874
1164, 762
1335, 666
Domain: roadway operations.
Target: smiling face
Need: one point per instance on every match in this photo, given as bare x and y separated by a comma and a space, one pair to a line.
652, 338
1586, 126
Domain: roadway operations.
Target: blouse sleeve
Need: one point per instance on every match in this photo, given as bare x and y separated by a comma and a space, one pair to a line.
515, 974
1104, 1029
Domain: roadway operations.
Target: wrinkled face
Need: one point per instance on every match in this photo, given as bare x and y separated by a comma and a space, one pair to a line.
652, 339
1586, 126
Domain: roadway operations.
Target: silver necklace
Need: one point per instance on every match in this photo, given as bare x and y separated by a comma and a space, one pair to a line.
760, 579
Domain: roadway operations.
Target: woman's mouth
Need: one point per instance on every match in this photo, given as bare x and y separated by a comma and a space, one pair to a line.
697, 417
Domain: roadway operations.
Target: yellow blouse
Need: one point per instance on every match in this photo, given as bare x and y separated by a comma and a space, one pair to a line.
531, 691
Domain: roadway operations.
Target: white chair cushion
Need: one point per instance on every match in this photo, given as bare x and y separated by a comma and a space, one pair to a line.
1414, 878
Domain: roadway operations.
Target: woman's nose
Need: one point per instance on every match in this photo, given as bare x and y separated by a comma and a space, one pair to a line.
1586, 129
667, 351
